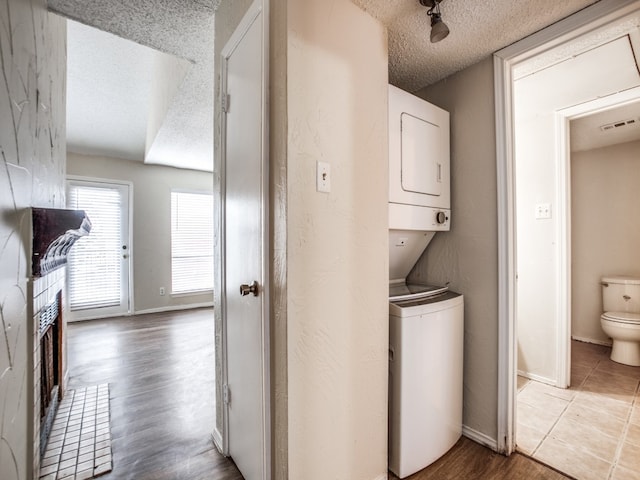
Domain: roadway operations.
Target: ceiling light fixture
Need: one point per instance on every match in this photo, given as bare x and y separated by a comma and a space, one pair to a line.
439, 29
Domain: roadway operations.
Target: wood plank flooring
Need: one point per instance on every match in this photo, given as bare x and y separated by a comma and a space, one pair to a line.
468, 460
160, 370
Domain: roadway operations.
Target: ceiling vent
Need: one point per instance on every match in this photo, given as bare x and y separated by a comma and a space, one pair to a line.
621, 123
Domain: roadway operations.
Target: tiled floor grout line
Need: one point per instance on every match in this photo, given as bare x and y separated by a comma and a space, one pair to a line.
564, 410
623, 435
592, 375
76, 424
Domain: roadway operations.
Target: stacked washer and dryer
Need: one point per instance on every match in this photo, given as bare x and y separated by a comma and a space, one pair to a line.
425, 321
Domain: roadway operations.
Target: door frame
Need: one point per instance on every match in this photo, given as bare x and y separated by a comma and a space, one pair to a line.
257, 7
562, 32
129, 185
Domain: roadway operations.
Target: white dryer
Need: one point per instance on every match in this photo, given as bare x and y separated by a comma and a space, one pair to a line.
419, 177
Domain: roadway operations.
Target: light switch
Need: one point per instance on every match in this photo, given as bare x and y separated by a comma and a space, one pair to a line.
543, 210
323, 177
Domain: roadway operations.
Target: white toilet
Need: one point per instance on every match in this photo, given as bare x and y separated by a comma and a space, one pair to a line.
621, 317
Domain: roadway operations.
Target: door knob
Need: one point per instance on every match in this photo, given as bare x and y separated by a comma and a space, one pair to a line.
247, 289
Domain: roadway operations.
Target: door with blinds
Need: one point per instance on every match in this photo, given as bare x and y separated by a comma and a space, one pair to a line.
98, 264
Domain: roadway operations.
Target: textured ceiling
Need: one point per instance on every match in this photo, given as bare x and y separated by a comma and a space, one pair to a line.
110, 95
478, 29
183, 28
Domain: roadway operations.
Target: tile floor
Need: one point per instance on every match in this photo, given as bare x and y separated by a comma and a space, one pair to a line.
591, 430
79, 446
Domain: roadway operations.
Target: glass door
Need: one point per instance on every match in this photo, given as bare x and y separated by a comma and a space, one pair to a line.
98, 265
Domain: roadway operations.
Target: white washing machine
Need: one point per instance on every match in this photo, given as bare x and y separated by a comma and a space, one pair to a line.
425, 376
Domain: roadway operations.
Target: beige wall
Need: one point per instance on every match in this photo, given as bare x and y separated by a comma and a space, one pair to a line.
467, 256
605, 229
32, 168
151, 236
337, 267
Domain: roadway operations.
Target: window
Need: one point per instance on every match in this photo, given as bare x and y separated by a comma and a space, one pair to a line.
191, 242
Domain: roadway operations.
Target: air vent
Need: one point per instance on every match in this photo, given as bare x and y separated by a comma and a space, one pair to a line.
621, 123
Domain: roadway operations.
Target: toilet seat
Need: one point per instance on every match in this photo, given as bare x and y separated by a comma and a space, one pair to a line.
622, 317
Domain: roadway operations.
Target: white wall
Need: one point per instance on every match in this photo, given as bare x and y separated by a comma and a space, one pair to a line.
467, 256
337, 247
151, 235
32, 168
605, 227
537, 98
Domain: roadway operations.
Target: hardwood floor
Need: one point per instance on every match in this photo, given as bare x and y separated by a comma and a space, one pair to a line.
468, 460
160, 370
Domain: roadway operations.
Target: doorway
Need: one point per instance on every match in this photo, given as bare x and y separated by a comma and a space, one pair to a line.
599, 20
99, 266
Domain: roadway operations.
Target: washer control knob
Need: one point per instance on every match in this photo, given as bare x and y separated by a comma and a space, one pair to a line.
441, 218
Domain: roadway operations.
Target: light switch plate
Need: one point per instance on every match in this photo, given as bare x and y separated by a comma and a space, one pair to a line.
323, 177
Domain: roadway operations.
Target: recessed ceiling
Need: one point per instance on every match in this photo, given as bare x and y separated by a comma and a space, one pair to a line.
111, 92
184, 29
478, 29
621, 125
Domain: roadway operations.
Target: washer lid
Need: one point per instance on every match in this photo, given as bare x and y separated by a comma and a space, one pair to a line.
622, 317
403, 291
621, 279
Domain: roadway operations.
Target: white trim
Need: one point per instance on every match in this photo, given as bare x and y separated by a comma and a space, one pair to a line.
592, 340
562, 220
506, 258
266, 242
173, 308
480, 438
584, 21
170, 308
537, 378
216, 437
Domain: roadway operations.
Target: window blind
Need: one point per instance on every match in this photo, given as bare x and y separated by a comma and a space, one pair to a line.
191, 242
95, 260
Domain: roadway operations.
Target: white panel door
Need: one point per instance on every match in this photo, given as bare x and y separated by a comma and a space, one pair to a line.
98, 264
245, 214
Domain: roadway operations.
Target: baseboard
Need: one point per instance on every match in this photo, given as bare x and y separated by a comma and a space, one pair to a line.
216, 436
480, 438
172, 308
383, 476
591, 340
537, 378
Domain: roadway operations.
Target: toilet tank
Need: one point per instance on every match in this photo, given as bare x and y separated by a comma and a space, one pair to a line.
621, 294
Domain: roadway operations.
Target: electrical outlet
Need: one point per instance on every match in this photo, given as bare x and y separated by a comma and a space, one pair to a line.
161, 291
543, 210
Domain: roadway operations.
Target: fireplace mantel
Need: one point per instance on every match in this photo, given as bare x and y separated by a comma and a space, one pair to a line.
54, 233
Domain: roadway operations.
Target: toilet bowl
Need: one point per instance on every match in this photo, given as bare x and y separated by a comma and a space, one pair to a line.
624, 330
621, 317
